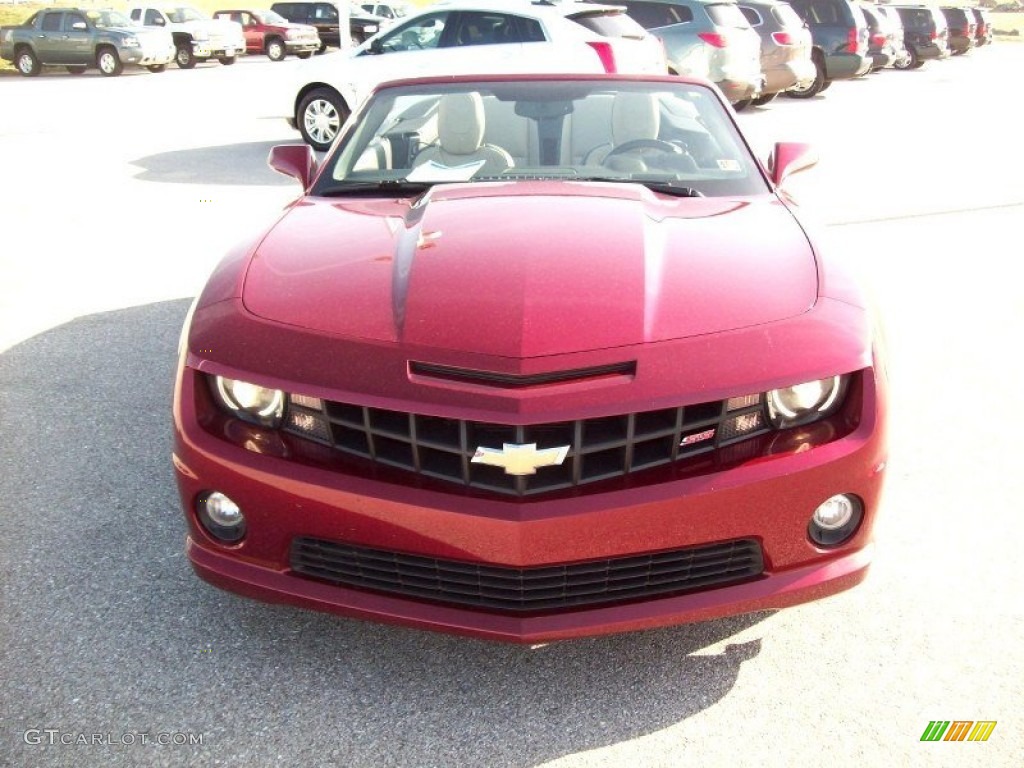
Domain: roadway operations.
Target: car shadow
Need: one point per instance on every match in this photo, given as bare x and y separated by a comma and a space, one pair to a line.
229, 164
107, 629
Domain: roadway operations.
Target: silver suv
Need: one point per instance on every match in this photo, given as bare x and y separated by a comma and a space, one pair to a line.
706, 38
785, 46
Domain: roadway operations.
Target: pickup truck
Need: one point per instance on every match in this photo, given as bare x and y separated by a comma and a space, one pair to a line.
196, 36
267, 32
78, 39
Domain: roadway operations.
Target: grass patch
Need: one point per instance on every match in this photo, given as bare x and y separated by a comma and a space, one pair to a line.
1004, 23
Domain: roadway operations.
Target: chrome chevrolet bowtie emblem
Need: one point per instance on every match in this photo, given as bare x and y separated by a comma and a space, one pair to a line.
520, 459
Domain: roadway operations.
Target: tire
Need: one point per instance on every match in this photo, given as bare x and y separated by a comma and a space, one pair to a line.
227, 61
184, 57
913, 61
826, 85
109, 62
27, 63
322, 48
275, 49
742, 104
156, 67
77, 69
320, 116
304, 54
816, 86
767, 98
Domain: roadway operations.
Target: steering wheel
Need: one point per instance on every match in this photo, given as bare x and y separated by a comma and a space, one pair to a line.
635, 144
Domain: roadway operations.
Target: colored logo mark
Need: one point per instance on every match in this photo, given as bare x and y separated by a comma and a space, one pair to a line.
958, 730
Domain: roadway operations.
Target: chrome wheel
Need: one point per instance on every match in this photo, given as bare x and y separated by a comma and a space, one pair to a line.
319, 117
108, 63
183, 57
322, 121
28, 64
275, 50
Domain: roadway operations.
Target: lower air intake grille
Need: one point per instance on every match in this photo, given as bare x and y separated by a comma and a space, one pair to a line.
522, 590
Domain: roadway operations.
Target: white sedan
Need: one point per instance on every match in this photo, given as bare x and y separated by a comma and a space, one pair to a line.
463, 36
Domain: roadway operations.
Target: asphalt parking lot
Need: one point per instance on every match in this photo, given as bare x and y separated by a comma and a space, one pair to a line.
119, 195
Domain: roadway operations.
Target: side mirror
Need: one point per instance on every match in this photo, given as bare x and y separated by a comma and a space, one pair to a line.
789, 158
295, 160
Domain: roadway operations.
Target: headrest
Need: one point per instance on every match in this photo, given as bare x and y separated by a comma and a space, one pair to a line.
460, 123
634, 116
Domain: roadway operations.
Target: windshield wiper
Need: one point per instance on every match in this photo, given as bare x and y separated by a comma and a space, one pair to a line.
665, 187
671, 188
399, 187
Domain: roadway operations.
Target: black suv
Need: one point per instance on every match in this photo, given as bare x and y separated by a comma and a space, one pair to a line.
983, 30
924, 33
840, 36
880, 45
961, 24
324, 16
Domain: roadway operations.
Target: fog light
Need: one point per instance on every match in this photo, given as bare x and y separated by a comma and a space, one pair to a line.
835, 520
220, 516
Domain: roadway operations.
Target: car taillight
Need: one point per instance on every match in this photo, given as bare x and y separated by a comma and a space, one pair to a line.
714, 39
851, 40
878, 40
606, 55
934, 35
783, 38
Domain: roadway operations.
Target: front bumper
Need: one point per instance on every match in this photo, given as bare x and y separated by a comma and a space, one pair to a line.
768, 500
209, 50
147, 57
302, 46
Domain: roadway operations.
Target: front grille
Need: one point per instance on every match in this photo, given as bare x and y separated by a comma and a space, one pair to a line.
524, 590
596, 449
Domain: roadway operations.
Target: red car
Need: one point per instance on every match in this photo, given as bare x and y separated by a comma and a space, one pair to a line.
533, 358
270, 33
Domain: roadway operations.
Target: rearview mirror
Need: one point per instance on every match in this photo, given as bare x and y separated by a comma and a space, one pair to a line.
295, 160
790, 157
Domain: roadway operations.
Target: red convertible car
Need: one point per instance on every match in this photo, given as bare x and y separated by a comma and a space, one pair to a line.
533, 358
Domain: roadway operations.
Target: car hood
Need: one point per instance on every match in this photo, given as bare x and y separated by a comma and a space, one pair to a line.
139, 32
532, 269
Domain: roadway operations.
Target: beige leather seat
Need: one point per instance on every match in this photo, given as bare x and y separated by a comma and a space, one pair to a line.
637, 117
460, 134
634, 116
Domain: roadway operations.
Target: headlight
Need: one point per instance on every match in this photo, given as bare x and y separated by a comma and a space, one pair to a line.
807, 402
250, 402
131, 42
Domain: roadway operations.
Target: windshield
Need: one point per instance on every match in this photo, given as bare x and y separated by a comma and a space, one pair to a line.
270, 17
184, 13
108, 19
595, 130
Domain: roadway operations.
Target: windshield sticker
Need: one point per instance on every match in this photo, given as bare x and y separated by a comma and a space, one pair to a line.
728, 164
435, 172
